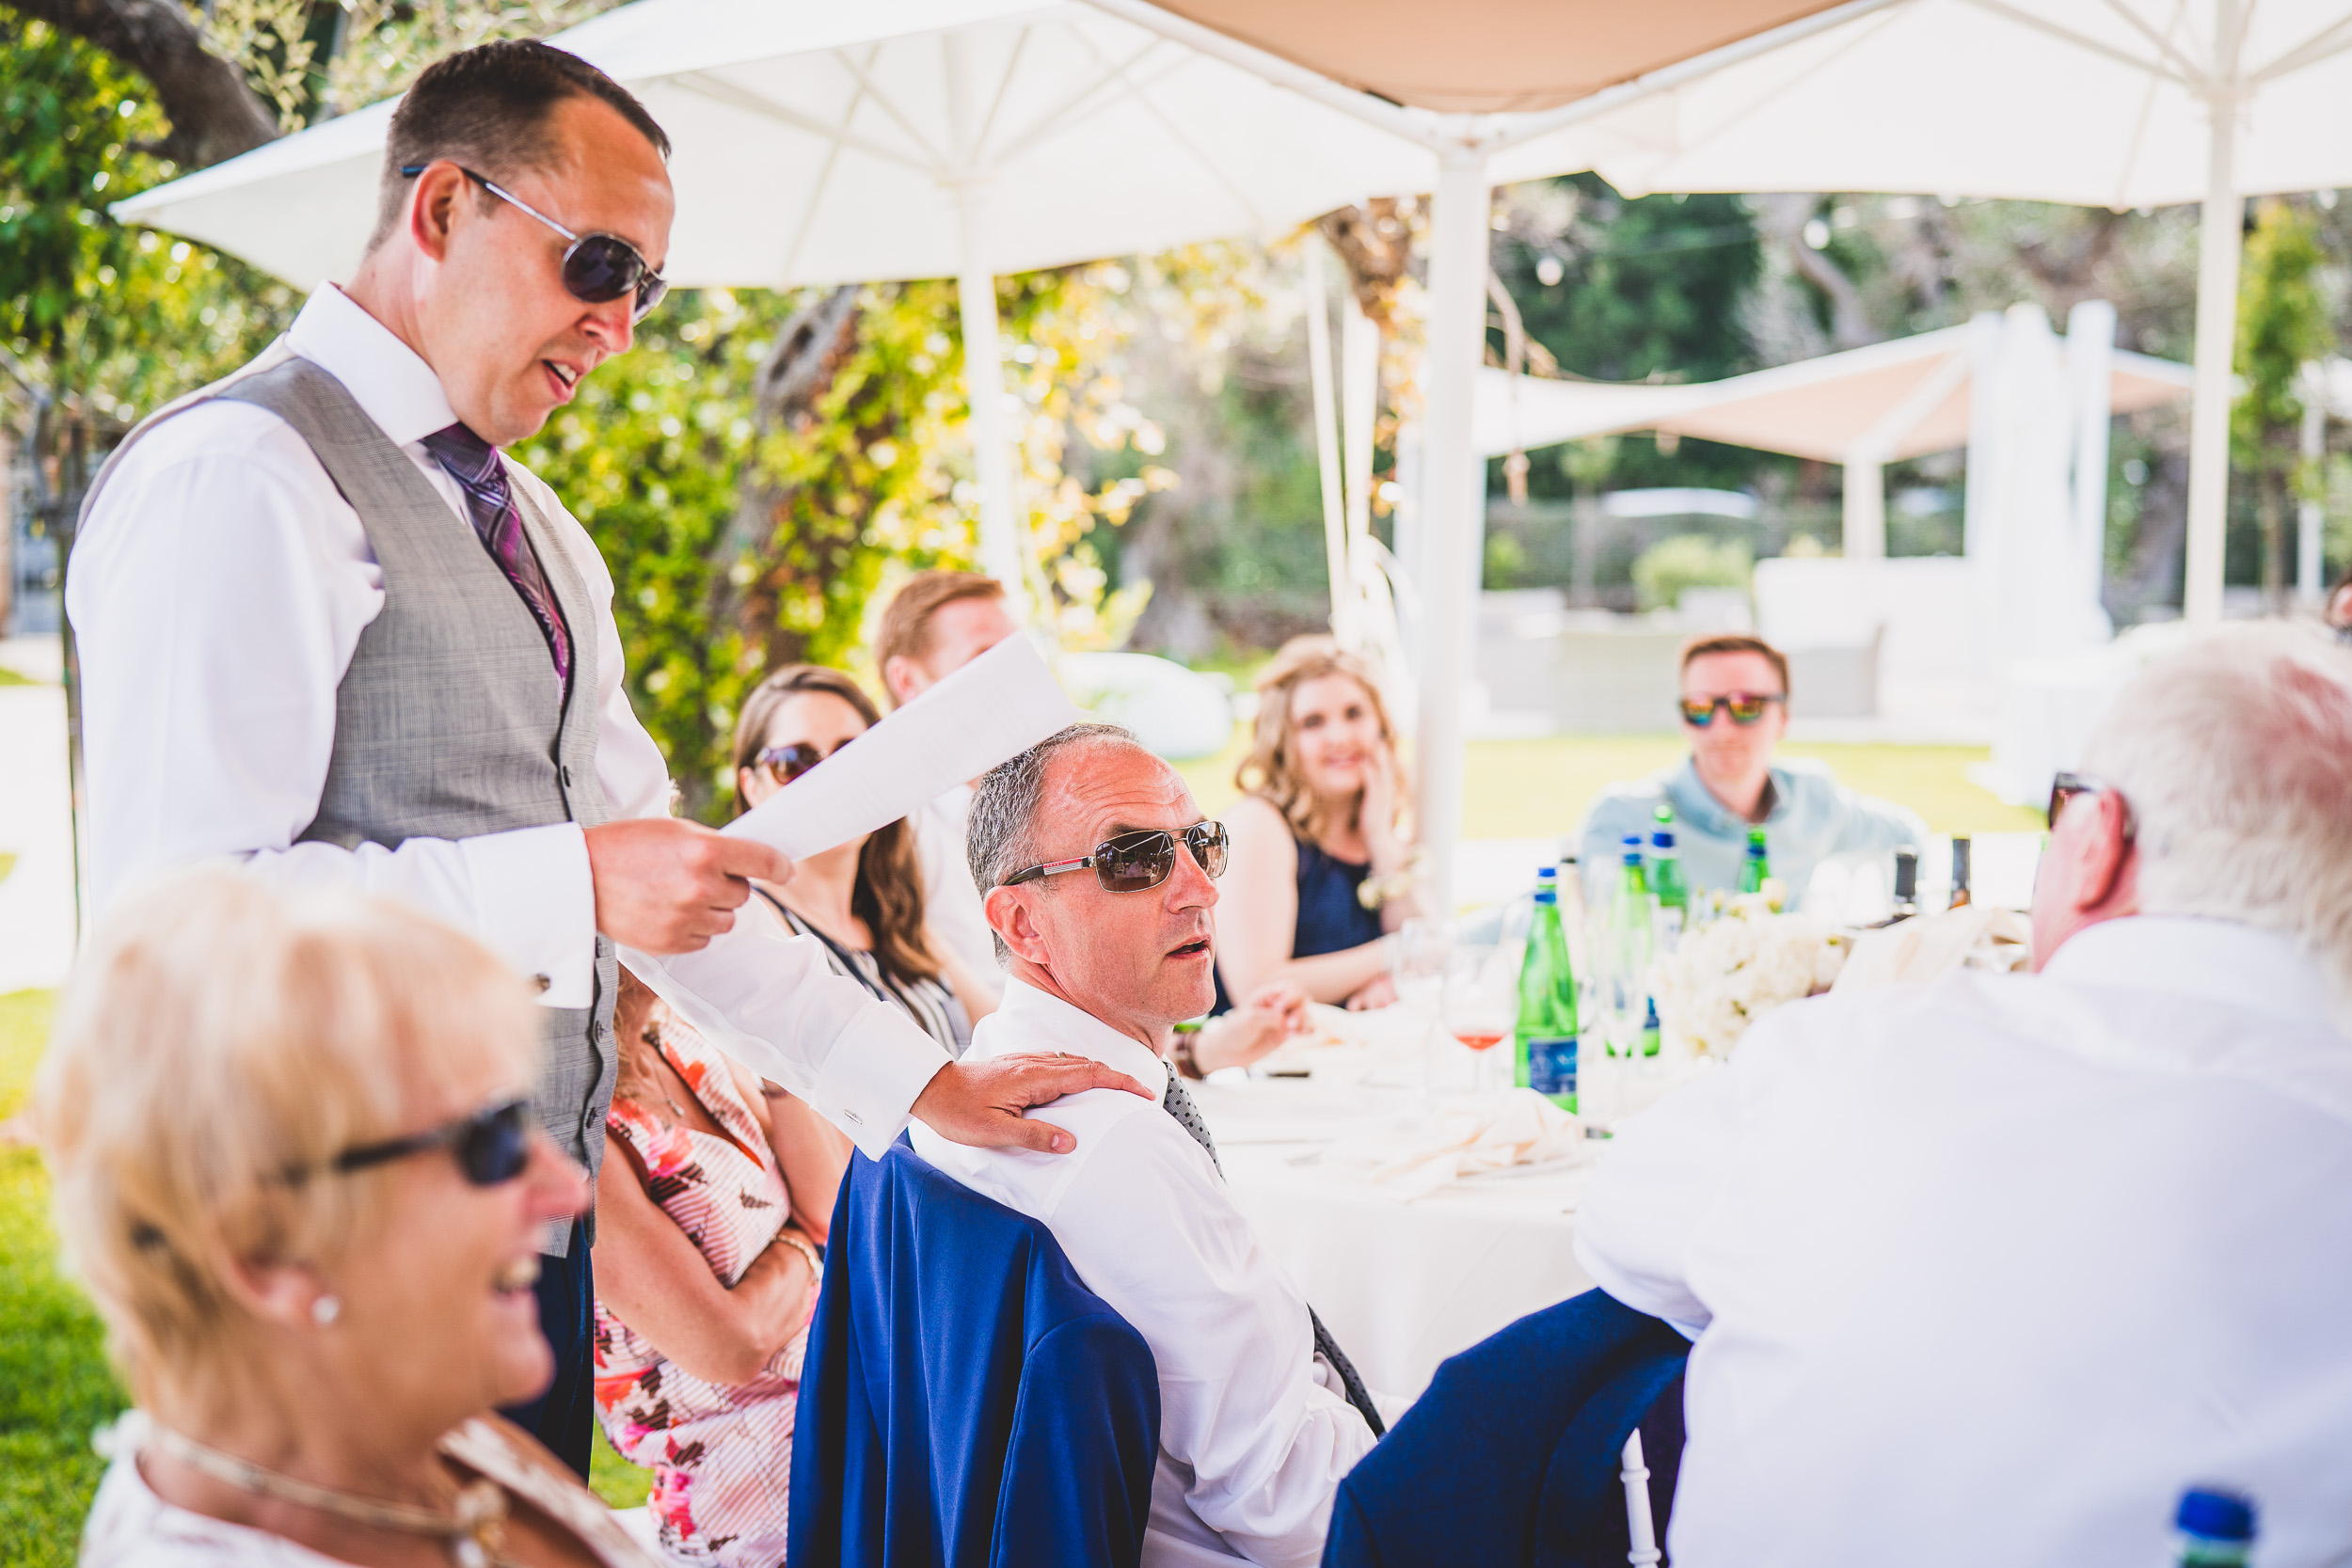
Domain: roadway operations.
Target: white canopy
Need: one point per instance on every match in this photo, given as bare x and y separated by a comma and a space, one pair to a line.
2105, 102
819, 142
1898, 399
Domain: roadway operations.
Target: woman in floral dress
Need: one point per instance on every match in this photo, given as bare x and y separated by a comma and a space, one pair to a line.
710, 1209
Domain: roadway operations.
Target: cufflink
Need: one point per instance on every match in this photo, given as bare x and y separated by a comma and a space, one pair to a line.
852, 1115
541, 984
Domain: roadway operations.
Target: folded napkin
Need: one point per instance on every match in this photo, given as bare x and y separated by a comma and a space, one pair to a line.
1519, 1127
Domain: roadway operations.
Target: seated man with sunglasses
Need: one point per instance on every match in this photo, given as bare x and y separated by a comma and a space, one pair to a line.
1102, 883
2075, 1240
1734, 709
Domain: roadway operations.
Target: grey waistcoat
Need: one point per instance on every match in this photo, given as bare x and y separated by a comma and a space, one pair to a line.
449, 721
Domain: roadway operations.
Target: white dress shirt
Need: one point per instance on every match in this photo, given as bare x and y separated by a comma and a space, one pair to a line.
1255, 1433
1992, 1271
951, 905
218, 589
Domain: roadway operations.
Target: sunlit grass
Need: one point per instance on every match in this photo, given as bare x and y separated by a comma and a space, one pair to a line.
56, 1387
1539, 788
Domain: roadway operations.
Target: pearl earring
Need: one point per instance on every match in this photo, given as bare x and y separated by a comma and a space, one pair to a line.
326, 1310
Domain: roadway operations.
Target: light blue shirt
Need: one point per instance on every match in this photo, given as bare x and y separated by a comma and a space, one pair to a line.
1813, 817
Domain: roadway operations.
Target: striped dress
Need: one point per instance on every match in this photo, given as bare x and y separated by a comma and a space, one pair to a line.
720, 1454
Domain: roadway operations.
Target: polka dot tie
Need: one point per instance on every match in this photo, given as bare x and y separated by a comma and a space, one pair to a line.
1178, 1102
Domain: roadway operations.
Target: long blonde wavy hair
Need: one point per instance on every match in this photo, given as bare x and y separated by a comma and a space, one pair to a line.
1272, 771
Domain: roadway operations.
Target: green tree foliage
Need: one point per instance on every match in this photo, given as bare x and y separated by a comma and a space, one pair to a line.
101, 321
741, 541
2282, 327
1625, 290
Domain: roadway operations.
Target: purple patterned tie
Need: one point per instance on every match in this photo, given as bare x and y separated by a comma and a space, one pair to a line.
473, 462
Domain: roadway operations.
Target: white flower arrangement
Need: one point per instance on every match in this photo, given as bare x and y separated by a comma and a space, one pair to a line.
1741, 965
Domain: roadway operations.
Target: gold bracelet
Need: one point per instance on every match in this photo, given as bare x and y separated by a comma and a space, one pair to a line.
1373, 892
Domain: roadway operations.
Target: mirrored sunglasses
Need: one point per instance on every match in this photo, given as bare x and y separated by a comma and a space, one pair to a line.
598, 268
1745, 707
491, 1146
789, 762
1133, 863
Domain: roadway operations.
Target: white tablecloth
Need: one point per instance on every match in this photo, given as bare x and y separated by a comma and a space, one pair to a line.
1401, 1286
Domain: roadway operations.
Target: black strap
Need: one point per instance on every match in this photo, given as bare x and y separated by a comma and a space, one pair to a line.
849, 966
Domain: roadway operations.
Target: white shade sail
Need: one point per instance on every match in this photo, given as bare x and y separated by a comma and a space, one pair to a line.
1893, 401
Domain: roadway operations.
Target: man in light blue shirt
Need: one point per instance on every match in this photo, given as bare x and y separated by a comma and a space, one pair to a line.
1735, 709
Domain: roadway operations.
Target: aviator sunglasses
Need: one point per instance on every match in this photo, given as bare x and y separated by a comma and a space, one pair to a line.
1745, 709
1133, 863
596, 268
491, 1146
789, 762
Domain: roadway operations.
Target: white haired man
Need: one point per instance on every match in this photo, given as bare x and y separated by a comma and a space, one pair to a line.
1992, 1271
1101, 877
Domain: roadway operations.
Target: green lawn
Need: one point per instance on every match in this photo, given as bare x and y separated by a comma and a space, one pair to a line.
56, 1387
1535, 789
11, 677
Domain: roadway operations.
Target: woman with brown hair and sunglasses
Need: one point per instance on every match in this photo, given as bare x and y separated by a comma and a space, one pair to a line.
862, 900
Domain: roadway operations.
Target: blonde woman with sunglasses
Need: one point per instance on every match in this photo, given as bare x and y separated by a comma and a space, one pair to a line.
1733, 710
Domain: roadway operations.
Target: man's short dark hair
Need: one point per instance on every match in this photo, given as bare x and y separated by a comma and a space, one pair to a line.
1736, 643
488, 108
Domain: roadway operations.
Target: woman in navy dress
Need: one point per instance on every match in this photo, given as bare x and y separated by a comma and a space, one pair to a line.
1320, 868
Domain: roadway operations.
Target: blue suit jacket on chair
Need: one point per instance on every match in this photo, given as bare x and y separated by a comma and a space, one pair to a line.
1510, 1459
965, 1402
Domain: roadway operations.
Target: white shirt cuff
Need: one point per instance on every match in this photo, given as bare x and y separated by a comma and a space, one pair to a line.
872, 1076
535, 907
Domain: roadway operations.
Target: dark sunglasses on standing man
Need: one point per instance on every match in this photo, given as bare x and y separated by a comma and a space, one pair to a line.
1745, 707
491, 1146
1134, 862
596, 268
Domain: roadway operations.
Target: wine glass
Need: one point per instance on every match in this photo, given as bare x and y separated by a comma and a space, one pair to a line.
1481, 1004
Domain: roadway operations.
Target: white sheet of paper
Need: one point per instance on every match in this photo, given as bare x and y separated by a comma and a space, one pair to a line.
996, 708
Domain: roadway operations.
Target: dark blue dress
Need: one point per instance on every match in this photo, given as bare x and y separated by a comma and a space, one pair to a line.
1331, 919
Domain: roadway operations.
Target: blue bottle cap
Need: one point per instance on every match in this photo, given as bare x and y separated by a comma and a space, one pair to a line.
1661, 839
1633, 857
2214, 1513
1631, 841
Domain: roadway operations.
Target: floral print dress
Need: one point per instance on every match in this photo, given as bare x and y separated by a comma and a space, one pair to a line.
721, 1453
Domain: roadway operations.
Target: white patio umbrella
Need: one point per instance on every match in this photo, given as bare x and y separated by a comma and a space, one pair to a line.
818, 142
2103, 103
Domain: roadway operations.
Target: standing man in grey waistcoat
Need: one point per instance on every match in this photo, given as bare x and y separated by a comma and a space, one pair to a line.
329, 628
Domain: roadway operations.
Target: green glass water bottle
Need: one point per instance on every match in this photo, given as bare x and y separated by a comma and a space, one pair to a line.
1666, 885
1544, 1049
1758, 867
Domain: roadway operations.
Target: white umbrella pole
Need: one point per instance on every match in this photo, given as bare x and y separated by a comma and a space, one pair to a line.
2220, 241
984, 384
1865, 532
1327, 438
2310, 518
1453, 480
